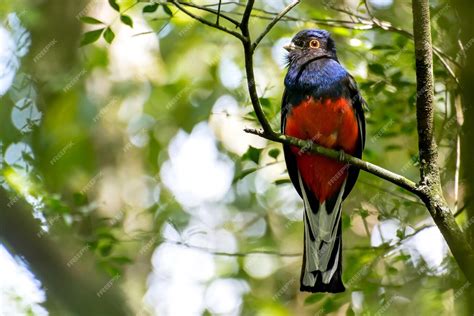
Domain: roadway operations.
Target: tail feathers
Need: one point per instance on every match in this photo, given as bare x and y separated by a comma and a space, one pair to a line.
313, 280
322, 259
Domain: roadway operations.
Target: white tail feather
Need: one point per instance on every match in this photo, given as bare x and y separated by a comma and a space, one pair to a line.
324, 227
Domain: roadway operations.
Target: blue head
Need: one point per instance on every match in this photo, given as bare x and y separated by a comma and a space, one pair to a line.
310, 44
313, 65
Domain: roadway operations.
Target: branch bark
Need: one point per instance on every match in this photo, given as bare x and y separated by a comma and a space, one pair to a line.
341, 156
430, 184
248, 53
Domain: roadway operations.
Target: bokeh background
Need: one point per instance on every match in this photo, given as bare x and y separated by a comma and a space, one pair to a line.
124, 162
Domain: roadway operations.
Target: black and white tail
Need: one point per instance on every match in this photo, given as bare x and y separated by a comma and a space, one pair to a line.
322, 258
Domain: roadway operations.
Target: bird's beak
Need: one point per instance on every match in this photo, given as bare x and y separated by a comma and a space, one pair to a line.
289, 47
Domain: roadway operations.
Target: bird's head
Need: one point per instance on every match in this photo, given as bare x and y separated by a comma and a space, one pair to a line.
310, 44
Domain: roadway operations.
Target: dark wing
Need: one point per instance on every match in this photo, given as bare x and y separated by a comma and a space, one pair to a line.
358, 103
289, 156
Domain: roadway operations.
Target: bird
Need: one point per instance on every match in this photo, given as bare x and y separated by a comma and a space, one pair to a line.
321, 103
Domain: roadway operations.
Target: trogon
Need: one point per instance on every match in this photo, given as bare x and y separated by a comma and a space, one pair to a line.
321, 103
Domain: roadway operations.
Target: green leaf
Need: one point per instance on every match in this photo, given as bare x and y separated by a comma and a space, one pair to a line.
401, 41
313, 299
252, 154
111, 270
265, 102
382, 47
329, 306
393, 147
243, 174
91, 36
389, 134
126, 20
109, 35
346, 221
121, 260
378, 86
90, 20
105, 233
167, 10
376, 69
114, 5
282, 181
80, 199
402, 257
105, 249
363, 213
274, 152
392, 270
150, 8
401, 233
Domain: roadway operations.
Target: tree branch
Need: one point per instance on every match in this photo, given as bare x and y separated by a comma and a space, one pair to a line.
273, 22
232, 254
74, 287
244, 24
385, 247
430, 184
217, 12
309, 146
204, 21
248, 55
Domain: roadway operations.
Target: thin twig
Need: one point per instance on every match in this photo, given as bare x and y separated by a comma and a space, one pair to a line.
384, 246
233, 254
389, 27
217, 13
456, 173
400, 196
273, 22
204, 21
369, 12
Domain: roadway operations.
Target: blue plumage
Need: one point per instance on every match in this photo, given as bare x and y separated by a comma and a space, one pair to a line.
321, 77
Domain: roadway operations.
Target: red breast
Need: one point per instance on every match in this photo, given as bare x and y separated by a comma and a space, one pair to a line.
328, 122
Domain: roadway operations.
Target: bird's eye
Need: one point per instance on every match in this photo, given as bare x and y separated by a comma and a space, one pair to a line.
314, 43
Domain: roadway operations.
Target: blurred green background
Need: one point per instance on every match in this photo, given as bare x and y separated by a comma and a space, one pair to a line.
147, 195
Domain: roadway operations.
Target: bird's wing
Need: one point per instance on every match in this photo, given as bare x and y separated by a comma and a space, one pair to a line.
289, 156
358, 103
